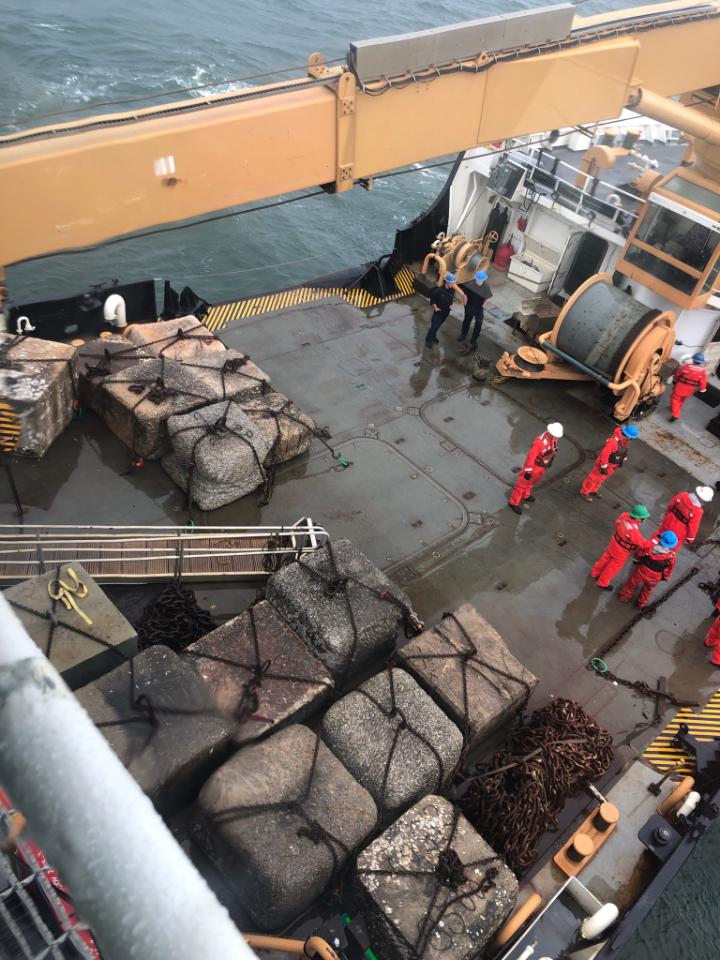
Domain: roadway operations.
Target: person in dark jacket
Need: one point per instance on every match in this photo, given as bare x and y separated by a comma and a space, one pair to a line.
478, 293
441, 299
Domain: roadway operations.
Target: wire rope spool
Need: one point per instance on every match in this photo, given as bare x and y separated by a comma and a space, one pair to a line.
617, 340
531, 358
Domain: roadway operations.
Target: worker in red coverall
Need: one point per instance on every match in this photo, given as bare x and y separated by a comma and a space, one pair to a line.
612, 456
625, 539
651, 566
688, 378
684, 513
541, 454
713, 640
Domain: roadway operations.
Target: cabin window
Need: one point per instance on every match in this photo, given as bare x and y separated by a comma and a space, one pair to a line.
661, 269
678, 237
688, 190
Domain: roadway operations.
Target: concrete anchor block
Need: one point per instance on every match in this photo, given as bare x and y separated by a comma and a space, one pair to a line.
37, 379
394, 740
341, 604
469, 671
160, 719
103, 357
260, 672
279, 820
430, 886
288, 428
226, 449
180, 339
81, 652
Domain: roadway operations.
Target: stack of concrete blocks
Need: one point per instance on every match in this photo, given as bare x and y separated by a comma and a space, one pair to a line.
277, 419
341, 605
279, 820
464, 656
78, 650
101, 358
161, 720
394, 740
259, 646
430, 887
37, 381
181, 339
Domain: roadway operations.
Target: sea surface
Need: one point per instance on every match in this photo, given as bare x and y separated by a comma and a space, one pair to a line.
61, 56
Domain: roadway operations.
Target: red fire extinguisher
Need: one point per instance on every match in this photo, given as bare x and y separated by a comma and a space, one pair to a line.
503, 255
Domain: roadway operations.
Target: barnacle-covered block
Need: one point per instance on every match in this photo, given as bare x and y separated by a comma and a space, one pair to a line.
260, 672
37, 388
430, 886
341, 604
180, 339
279, 820
468, 669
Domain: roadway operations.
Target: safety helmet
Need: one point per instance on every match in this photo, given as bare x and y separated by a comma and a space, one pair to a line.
639, 512
668, 539
555, 430
698, 358
705, 493
450, 278
630, 431
481, 276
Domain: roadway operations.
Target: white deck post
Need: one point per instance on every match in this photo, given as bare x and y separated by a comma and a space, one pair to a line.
130, 880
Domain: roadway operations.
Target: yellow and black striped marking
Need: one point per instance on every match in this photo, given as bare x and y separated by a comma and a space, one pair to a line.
703, 724
9, 428
221, 315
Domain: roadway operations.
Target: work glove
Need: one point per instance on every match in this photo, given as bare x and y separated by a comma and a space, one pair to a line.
604, 471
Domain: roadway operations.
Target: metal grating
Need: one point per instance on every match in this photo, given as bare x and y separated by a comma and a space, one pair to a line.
37, 920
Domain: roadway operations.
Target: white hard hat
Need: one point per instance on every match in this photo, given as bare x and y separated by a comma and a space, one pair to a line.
705, 493
555, 429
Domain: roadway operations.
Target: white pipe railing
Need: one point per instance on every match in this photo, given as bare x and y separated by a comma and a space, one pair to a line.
130, 880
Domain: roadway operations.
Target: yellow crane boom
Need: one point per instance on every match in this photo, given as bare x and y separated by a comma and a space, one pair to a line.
80, 183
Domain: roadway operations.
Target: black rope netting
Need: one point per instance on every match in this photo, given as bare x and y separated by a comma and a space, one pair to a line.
450, 884
517, 796
174, 619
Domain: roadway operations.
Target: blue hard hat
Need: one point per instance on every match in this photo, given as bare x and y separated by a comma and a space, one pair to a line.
450, 278
698, 358
481, 276
668, 539
630, 431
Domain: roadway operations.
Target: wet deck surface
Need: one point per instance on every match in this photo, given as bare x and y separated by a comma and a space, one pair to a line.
432, 465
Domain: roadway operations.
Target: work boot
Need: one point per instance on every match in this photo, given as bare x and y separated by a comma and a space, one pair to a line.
672, 419
609, 586
515, 508
465, 350
530, 499
711, 643
598, 495
587, 497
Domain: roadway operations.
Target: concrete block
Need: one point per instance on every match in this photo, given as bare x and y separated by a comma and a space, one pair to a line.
180, 339
309, 815
260, 672
397, 768
37, 380
98, 359
233, 374
81, 652
172, 738
136, 403
342, 606
289, 430
430, 886
226, 449
465, 655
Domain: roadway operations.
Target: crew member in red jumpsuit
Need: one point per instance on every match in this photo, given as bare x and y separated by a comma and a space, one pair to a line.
541, 454
625, 539
713, 640
684, 513
688, 378
651, 566
612, 456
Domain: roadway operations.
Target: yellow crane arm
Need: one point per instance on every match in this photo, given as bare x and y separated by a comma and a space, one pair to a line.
80, 183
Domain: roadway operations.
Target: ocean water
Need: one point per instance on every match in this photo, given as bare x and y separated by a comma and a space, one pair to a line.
57, 56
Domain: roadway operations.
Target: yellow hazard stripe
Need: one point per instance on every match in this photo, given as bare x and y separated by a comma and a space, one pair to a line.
218, 317
705, 725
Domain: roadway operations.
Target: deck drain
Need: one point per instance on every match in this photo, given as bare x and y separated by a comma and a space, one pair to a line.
469, 495
566, 479
501, 586
399, 440
448, 419
436, 554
